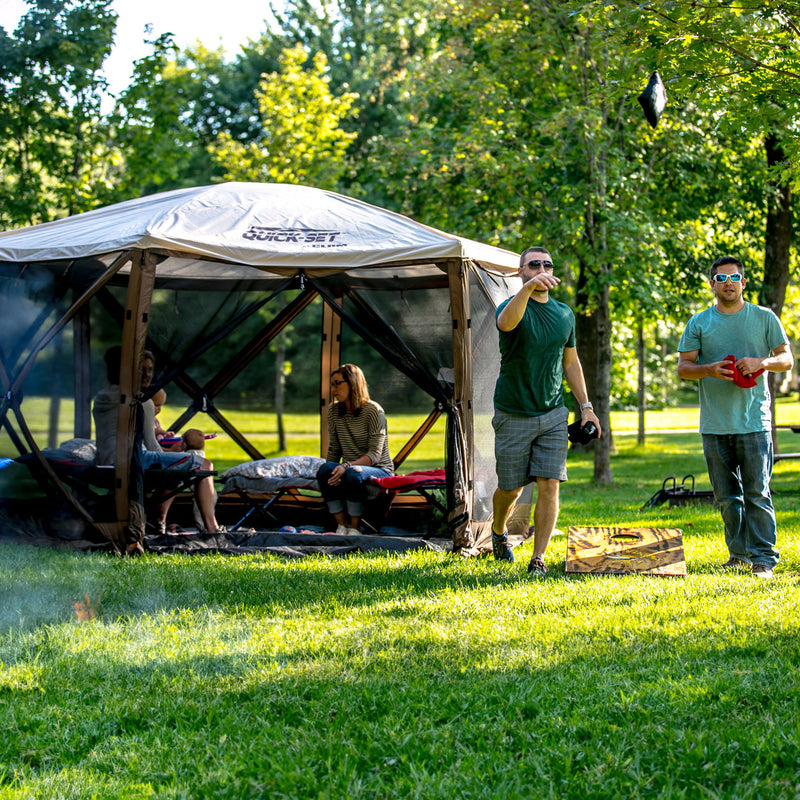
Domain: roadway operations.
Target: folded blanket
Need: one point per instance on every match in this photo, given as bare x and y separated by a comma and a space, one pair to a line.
400, 483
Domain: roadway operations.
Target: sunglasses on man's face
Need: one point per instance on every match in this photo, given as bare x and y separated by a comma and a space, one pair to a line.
537, 264
721, 277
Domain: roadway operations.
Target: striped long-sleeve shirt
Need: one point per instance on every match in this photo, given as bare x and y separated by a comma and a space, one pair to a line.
351, 436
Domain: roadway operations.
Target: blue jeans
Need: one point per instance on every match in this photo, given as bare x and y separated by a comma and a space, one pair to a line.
352, 490
740, 468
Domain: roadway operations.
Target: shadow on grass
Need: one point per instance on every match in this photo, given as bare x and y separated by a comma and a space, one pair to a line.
596, 706
40, 587
421, 675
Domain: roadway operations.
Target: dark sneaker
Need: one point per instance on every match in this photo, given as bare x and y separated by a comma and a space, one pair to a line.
735, 563
537, 567
762, 571
500, 549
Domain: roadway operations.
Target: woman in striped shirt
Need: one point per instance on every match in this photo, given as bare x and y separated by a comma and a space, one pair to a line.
358, 448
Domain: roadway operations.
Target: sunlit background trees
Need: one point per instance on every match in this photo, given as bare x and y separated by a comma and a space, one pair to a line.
507, 121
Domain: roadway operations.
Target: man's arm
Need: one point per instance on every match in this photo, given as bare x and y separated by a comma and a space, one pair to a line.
779, 360
573, 372
690, 370
149, 424
514, 310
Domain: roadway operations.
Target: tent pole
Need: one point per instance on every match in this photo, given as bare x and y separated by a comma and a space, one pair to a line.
458, 275
417, 437
233, 432
256, 345
11, 401
203, 396
83, 376
134, 334
330, 358
12, 383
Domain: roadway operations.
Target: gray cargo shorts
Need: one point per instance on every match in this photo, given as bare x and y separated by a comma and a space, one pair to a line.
526, 448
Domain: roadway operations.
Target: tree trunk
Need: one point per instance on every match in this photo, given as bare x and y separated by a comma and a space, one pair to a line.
777, 245
604, 448
641, 354
593, 339
778, 235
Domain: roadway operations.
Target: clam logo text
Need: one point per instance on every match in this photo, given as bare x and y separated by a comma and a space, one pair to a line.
310, 236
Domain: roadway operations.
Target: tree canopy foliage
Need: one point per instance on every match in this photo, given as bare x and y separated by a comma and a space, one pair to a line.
51, 85
302, 139
742, 59
525, 130
512, 122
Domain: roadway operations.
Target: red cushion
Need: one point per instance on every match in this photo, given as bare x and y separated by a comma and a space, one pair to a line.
404, 483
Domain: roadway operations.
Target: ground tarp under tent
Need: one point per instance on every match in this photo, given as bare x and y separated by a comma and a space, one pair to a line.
208, 279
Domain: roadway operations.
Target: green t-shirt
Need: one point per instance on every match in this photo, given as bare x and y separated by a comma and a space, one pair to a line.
531, 372
752, 332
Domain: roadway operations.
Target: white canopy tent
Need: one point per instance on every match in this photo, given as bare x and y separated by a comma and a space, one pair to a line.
258, 237
270, 226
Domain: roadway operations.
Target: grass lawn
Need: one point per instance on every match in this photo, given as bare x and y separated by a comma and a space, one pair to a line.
417, 676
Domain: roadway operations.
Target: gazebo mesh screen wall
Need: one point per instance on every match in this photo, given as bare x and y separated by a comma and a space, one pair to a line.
218, 346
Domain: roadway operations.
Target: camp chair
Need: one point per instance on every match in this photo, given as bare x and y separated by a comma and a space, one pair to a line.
162, 484
418, 489
286, 499
266, 484
289, 483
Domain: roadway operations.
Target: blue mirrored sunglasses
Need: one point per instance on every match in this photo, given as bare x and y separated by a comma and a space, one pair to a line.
721, 277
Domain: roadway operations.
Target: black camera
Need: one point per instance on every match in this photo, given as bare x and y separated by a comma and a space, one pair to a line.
582, 434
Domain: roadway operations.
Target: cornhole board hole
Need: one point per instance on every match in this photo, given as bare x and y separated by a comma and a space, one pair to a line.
616, 551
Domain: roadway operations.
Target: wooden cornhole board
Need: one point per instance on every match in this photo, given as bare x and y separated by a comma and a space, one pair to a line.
616, 551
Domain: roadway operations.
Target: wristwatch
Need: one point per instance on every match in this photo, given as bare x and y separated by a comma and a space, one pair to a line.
346, 464
587, 405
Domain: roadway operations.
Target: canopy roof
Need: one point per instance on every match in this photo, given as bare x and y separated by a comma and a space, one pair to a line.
267, 226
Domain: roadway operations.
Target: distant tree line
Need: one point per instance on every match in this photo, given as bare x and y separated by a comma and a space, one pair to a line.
506, 121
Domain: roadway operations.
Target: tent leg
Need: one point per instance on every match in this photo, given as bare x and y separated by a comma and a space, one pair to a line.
130, 520
330, 358
461, 448
83, 376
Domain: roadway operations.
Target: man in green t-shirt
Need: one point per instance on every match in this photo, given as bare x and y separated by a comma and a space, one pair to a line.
537, 351
735, 413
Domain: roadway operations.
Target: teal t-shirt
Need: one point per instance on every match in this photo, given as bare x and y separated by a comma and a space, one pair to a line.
752, 332
531, 373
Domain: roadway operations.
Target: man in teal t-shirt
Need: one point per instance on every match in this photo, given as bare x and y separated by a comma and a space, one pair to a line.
735, 417
537, 351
